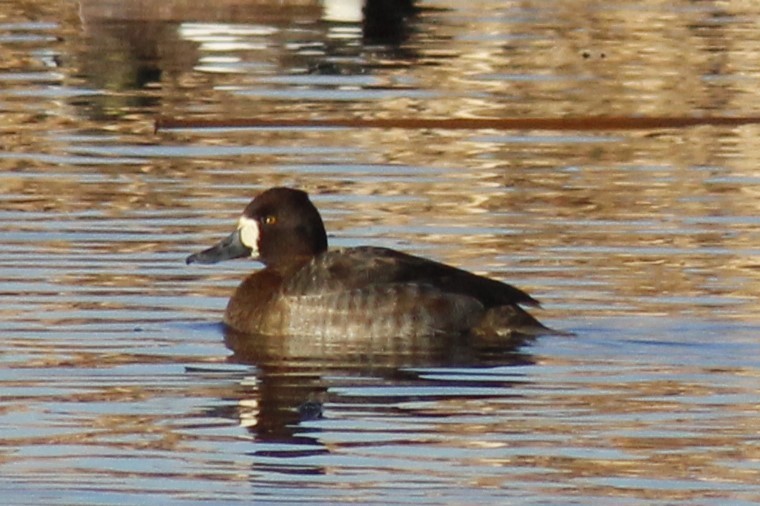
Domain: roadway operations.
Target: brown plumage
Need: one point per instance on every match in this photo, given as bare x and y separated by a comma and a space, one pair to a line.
306, 289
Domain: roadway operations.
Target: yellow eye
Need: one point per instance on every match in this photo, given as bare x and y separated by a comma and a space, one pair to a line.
270, 219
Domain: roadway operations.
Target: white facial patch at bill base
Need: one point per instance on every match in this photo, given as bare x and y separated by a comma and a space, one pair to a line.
249, 234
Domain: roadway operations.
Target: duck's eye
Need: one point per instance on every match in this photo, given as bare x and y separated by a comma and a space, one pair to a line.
270, 219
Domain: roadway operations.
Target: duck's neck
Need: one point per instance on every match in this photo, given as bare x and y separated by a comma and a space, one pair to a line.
286, 267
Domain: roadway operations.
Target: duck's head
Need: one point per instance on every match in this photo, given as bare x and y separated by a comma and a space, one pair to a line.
278, 226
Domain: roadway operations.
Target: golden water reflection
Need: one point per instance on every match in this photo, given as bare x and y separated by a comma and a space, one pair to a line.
117, 384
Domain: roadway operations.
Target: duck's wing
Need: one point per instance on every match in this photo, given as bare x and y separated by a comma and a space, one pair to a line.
390, 309
365, 267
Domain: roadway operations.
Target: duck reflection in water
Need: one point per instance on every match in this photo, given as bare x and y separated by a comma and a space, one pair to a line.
296, 379
362, 312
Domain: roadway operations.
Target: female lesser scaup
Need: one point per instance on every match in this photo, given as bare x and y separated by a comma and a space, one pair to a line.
365, 291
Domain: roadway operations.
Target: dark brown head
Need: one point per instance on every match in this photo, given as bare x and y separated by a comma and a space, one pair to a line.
277, 227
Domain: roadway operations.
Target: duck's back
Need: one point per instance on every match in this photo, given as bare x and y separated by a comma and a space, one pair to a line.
366, 266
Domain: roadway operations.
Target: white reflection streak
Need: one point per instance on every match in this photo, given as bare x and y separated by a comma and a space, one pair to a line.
249, 407
343, 11
225, 37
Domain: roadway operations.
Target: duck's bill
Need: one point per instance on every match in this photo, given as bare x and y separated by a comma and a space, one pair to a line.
228, 248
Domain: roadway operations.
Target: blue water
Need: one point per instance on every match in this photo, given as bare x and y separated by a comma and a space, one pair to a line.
118, 383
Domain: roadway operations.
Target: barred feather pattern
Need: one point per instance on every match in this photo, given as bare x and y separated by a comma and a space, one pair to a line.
393, 309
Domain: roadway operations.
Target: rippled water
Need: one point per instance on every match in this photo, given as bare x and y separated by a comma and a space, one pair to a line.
118, 383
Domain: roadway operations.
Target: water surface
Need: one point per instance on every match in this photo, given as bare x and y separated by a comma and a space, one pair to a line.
118, 383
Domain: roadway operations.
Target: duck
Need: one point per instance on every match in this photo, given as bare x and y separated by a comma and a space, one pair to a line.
306, 289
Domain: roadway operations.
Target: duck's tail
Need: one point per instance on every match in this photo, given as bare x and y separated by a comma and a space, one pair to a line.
513, 321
